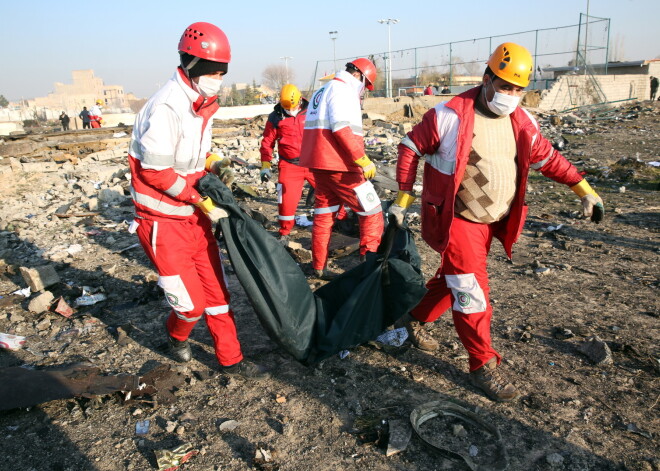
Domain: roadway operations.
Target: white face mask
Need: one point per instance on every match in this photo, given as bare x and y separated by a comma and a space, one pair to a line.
502, 104
293, 112
209, 86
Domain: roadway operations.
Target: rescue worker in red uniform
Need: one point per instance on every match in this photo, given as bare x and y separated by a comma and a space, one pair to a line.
285, 128
96, 115
333, 148
168, 154
479, 148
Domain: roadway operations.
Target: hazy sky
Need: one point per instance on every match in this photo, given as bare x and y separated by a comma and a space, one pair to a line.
133, 43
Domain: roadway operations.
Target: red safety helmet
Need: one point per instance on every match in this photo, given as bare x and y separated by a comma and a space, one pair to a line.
366, 68
205, 41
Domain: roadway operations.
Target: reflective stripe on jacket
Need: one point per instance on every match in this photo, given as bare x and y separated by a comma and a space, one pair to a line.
333, 128
170, 141
444, 137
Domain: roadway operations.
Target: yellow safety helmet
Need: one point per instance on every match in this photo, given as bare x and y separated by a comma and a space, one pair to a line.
290, 97
513, 63
100, 102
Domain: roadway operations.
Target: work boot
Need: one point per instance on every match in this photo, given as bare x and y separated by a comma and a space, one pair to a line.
363, 258
318, 273
284, 239
419, 336
247, 370
178, 349
489, 379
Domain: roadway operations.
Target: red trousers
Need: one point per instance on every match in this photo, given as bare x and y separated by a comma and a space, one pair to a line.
461, 283
95, 124
334, 189
291, 180
187, 258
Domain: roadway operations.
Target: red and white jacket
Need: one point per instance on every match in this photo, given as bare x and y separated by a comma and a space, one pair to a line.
95, 114
171, 139
333, 128
444, 137
286, 131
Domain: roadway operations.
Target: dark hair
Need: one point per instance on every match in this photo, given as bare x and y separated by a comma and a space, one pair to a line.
489, 72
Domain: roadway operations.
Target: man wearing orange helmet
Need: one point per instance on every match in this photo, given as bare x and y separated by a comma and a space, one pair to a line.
169, 153
333, 147
285, 127
479, 148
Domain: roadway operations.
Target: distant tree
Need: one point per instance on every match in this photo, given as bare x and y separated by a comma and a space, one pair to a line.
275, 76
3, 101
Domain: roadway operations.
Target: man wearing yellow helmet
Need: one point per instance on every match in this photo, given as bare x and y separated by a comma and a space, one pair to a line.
96, 115
479, 148
285, 128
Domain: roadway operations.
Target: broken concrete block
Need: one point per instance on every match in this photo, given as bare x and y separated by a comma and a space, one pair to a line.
597, 351
112, 195
18, 148
36, 167
40, 277
405, 128
15, 164
41, 303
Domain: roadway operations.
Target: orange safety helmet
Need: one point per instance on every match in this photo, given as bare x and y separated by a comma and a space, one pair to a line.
290, 97
366, 68
205, 41
513, 63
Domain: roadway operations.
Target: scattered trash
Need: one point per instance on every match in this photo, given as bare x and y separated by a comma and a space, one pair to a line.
399, 436
473, 450
655, 163
229, 425
74, 249
302, 221
61, 307
395, 337
11, 342
89, 300
119, 134
343, 354
25, 292
264, 459
554, 228
142, 427
169, 460
431, 410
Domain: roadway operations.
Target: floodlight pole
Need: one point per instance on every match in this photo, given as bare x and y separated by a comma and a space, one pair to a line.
388, 74
286, 66
333, 36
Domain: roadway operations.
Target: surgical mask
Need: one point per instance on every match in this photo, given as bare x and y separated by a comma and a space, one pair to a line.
502, 104
293, 112
209, 86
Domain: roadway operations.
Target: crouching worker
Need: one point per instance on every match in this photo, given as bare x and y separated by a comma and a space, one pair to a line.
479, 148
168, 155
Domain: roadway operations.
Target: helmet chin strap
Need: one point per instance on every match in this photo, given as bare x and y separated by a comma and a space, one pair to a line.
191, 65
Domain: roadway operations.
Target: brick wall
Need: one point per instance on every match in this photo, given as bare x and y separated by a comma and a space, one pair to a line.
570, 91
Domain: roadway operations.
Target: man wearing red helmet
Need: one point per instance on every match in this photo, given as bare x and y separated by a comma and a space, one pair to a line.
478, 149
169, 153
333, 147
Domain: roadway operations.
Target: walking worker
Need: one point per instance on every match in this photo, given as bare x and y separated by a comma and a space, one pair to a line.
169, 153
479, 148
84, 115
64, 119
654, 87
96, 115
285, 127
333, 148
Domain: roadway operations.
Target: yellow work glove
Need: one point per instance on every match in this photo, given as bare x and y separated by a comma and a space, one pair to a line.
368, 167
399, 208
592, 204
265, 171
208, 207
215, 162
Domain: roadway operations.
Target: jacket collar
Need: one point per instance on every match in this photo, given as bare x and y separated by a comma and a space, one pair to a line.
348, 79
197, 101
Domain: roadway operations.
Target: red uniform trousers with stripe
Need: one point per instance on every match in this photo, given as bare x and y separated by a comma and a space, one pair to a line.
292, 178
461, 282
334, 189
187, 258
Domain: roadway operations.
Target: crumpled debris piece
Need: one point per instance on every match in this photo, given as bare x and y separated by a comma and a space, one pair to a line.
395, 337
61, 307
301, 220
11, 342
169, 460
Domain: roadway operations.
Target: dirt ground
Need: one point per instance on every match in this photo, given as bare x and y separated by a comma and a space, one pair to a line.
592, 280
